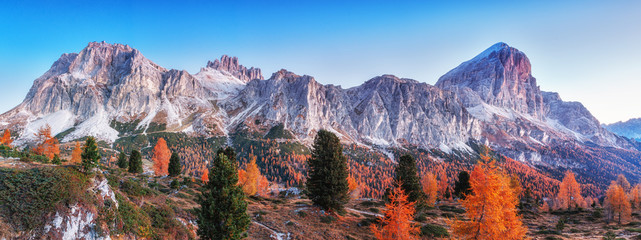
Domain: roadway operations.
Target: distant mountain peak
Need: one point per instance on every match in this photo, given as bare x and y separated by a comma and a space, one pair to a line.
105, 45
389, 78
289, 76
499, 76
231, 66
497, 47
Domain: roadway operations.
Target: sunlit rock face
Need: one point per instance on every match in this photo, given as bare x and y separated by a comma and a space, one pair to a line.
497, 87
500, 76
384, 111
231, 65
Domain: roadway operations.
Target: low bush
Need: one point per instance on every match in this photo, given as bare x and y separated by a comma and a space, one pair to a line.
133, 188
431, 230
27, 196
327, 219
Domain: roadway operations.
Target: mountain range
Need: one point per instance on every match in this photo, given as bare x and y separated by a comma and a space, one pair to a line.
630, 128
491, 99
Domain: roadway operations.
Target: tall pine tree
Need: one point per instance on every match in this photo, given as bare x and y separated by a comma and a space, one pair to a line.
407, 175
135, 162
122, 160
223, 210
462, 185
327, 173
229, 152
174, 165
90, 155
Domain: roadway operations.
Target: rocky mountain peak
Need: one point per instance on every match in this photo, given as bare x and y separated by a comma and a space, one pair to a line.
388, 79
231, 66
290, 77
499, 76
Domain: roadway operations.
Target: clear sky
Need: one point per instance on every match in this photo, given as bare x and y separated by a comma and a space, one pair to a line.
588, 51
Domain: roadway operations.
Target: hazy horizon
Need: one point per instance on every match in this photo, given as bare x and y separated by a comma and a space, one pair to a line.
585, 50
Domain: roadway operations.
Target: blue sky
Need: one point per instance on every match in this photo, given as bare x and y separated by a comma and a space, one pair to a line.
588, 51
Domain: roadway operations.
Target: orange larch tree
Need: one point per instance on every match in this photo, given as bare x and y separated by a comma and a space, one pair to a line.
354, 187
569, 192
491, 207
205, 176
6, 138
46, 144
545, 207
160, 157
252, 174
623, 182
441, 177
635, 197
76, 153
430, 187
251, 180
617, 203
397, 222
263, 186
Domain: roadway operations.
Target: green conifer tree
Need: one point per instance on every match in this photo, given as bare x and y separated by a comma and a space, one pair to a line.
135, 162
223, 209
407, 175
229, 152
462, 185
122, 160
174, 165
90, 155
327, 173
56, 160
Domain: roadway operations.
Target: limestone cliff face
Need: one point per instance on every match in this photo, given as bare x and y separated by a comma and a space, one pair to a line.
500, 76
231, 66
104, 83
385, 110
497, 87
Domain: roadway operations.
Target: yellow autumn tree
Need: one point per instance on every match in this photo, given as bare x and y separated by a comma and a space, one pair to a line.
6, 138
635, 197
397, 219
46, 144
623, 182
441, 178
617, 204
76, 153
354, 187
160, 158
251, 177
251, 180
491, 207
569, 192
430, 187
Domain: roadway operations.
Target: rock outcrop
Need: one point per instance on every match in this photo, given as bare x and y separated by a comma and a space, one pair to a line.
385, 110
230, 65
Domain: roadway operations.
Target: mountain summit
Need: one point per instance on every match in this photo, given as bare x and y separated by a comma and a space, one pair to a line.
500, 76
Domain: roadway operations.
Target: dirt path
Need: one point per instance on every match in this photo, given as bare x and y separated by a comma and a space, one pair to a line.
275, 234
363, 212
